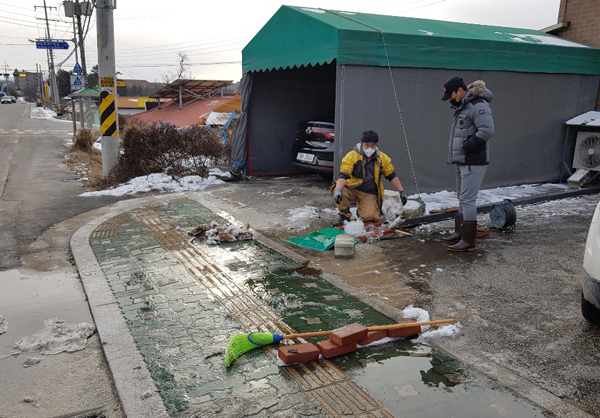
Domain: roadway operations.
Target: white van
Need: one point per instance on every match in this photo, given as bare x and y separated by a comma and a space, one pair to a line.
590, 292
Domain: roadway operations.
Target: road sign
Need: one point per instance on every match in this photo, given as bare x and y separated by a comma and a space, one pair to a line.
107, 82
77, 82
51, 45
77, 69
121, 83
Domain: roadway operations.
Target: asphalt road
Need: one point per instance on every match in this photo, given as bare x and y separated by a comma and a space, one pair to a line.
39, 205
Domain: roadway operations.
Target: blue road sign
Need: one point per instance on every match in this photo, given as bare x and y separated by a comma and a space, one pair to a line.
77, 69
51, 45
77, 82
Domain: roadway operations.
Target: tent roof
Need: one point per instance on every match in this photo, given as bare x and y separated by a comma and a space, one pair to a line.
302, 36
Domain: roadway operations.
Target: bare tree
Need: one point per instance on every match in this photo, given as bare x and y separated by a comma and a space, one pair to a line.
182, 71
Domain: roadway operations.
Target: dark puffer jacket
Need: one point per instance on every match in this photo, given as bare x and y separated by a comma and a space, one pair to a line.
472, 127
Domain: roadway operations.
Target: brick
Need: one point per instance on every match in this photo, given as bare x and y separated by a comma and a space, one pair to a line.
348, 334
373, 336
298, 353
330, 349
404, 332
343, 246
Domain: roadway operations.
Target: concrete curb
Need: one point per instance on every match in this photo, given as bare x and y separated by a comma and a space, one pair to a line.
136, 389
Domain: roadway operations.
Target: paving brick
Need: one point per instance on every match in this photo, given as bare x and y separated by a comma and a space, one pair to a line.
373, 336
298, 353
330, 349
348, 334
404, 332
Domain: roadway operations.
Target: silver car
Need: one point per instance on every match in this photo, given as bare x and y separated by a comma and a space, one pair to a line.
590, 293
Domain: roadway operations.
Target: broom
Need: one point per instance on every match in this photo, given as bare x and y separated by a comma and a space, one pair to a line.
242, 343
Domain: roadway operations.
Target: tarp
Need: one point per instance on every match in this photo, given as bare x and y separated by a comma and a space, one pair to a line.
239, 151
301, 36
321, 240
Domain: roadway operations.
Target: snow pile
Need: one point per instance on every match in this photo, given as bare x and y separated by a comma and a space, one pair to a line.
421, 315
355, 228
43, 113
56, 337
159, 182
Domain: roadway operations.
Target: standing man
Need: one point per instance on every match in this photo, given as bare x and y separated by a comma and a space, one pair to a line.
361, 181
471, 129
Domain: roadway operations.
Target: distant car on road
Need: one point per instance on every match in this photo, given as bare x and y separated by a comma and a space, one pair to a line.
590, 292
313, 148
5, 99
13, 99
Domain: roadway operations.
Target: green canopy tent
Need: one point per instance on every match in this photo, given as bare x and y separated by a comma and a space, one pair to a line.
385, 73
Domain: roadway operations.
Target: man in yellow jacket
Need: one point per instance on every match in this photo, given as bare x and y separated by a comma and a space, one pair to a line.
361, 181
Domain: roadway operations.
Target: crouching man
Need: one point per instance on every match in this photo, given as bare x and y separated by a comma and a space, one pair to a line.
361, 181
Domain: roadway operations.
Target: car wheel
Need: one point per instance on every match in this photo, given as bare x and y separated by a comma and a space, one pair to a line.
589, 311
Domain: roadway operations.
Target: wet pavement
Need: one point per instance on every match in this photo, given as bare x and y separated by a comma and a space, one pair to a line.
166, 305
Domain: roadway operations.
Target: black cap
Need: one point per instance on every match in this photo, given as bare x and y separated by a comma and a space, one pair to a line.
453, 85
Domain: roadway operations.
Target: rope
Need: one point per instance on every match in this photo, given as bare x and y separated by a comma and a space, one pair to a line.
387, 58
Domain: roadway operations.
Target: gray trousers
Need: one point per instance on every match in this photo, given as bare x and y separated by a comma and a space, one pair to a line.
468, 182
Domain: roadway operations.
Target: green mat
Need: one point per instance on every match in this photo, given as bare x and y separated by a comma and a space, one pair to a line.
321, 240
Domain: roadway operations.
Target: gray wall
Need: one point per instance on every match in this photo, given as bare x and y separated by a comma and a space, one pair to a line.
529, 114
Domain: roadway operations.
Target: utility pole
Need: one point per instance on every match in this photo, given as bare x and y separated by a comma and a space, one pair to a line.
52, 74
80, 31
108, 88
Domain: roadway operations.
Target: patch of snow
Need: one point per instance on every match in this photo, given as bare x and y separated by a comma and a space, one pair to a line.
56, 336
43, 113
158, 182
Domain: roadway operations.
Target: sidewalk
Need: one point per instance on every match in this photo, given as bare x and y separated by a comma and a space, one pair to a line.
165, 307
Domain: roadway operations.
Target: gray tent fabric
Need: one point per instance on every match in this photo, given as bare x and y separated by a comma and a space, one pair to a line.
239, 152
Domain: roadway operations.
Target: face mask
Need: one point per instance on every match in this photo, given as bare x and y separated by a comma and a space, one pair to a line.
369, 151
454, 103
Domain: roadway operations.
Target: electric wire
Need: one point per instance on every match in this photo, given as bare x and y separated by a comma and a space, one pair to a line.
381, 32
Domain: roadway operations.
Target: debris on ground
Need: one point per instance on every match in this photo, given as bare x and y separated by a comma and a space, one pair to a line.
214, 233
3, 325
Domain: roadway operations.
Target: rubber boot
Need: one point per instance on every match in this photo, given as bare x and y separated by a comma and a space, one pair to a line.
455, 236
467, 242
341, 220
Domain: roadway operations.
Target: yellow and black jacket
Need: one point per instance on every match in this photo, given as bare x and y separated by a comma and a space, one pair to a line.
352, 169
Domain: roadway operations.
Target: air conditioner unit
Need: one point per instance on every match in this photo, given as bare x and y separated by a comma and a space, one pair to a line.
587, 151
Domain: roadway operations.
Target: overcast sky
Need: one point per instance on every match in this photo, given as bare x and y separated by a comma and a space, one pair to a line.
150, 33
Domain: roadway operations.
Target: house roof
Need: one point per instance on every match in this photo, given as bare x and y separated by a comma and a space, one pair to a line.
193, 113
302, 36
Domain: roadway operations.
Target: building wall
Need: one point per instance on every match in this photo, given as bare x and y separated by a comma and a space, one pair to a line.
583, 18
529, 116
584, 21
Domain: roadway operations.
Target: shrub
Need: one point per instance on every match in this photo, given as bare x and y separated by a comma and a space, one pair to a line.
84, 140
162, 148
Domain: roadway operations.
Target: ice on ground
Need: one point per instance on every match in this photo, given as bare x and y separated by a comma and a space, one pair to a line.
355, 228
56, 336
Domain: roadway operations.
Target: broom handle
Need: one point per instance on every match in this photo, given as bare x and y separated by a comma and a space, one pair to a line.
374, 328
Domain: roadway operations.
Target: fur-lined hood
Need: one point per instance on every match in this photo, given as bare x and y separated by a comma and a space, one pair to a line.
477, 88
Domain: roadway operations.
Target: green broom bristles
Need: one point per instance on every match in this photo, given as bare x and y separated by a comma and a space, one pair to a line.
242, 343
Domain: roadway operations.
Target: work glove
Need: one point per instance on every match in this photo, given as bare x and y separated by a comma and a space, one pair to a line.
403, 197
337, 196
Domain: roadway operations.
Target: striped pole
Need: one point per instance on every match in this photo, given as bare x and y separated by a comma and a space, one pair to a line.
108, 113
109, 129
